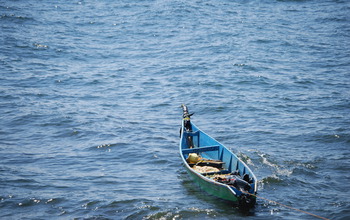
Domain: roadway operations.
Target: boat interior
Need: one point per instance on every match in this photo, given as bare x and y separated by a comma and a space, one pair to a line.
211, 159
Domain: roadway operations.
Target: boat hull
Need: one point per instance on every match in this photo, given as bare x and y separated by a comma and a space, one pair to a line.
213, 188
198, 142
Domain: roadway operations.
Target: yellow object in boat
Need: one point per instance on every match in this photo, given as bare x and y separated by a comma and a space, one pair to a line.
193, 158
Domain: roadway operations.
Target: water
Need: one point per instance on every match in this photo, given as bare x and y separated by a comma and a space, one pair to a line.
91, 94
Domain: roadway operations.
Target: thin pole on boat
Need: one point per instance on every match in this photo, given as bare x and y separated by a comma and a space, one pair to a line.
289, 207
187, 124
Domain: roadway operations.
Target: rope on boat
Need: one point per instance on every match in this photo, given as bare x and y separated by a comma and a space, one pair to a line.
289, 207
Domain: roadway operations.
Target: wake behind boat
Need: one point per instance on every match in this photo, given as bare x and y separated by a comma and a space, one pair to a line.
214, 168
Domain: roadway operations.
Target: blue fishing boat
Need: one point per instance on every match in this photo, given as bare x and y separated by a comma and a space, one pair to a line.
214, 167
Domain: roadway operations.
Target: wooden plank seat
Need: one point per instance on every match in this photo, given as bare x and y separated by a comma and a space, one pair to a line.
200, 149
216, 173
212, 163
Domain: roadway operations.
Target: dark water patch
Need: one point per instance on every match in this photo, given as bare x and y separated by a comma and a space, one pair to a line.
327, 138
15, 18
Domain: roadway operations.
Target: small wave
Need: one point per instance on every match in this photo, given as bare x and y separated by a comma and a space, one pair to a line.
279, 170
246, 159
16, 201
312, 164
292, 0
108, 146
263, 41
124, 209
190, 213
15, 18
123, 202
330, 138
40, 46
271, 180
34, 201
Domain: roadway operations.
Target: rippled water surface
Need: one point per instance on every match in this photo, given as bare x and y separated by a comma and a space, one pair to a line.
90, 95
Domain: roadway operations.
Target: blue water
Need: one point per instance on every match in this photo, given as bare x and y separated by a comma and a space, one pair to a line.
90, 95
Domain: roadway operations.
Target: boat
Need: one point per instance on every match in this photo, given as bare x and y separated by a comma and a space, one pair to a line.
214, 167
